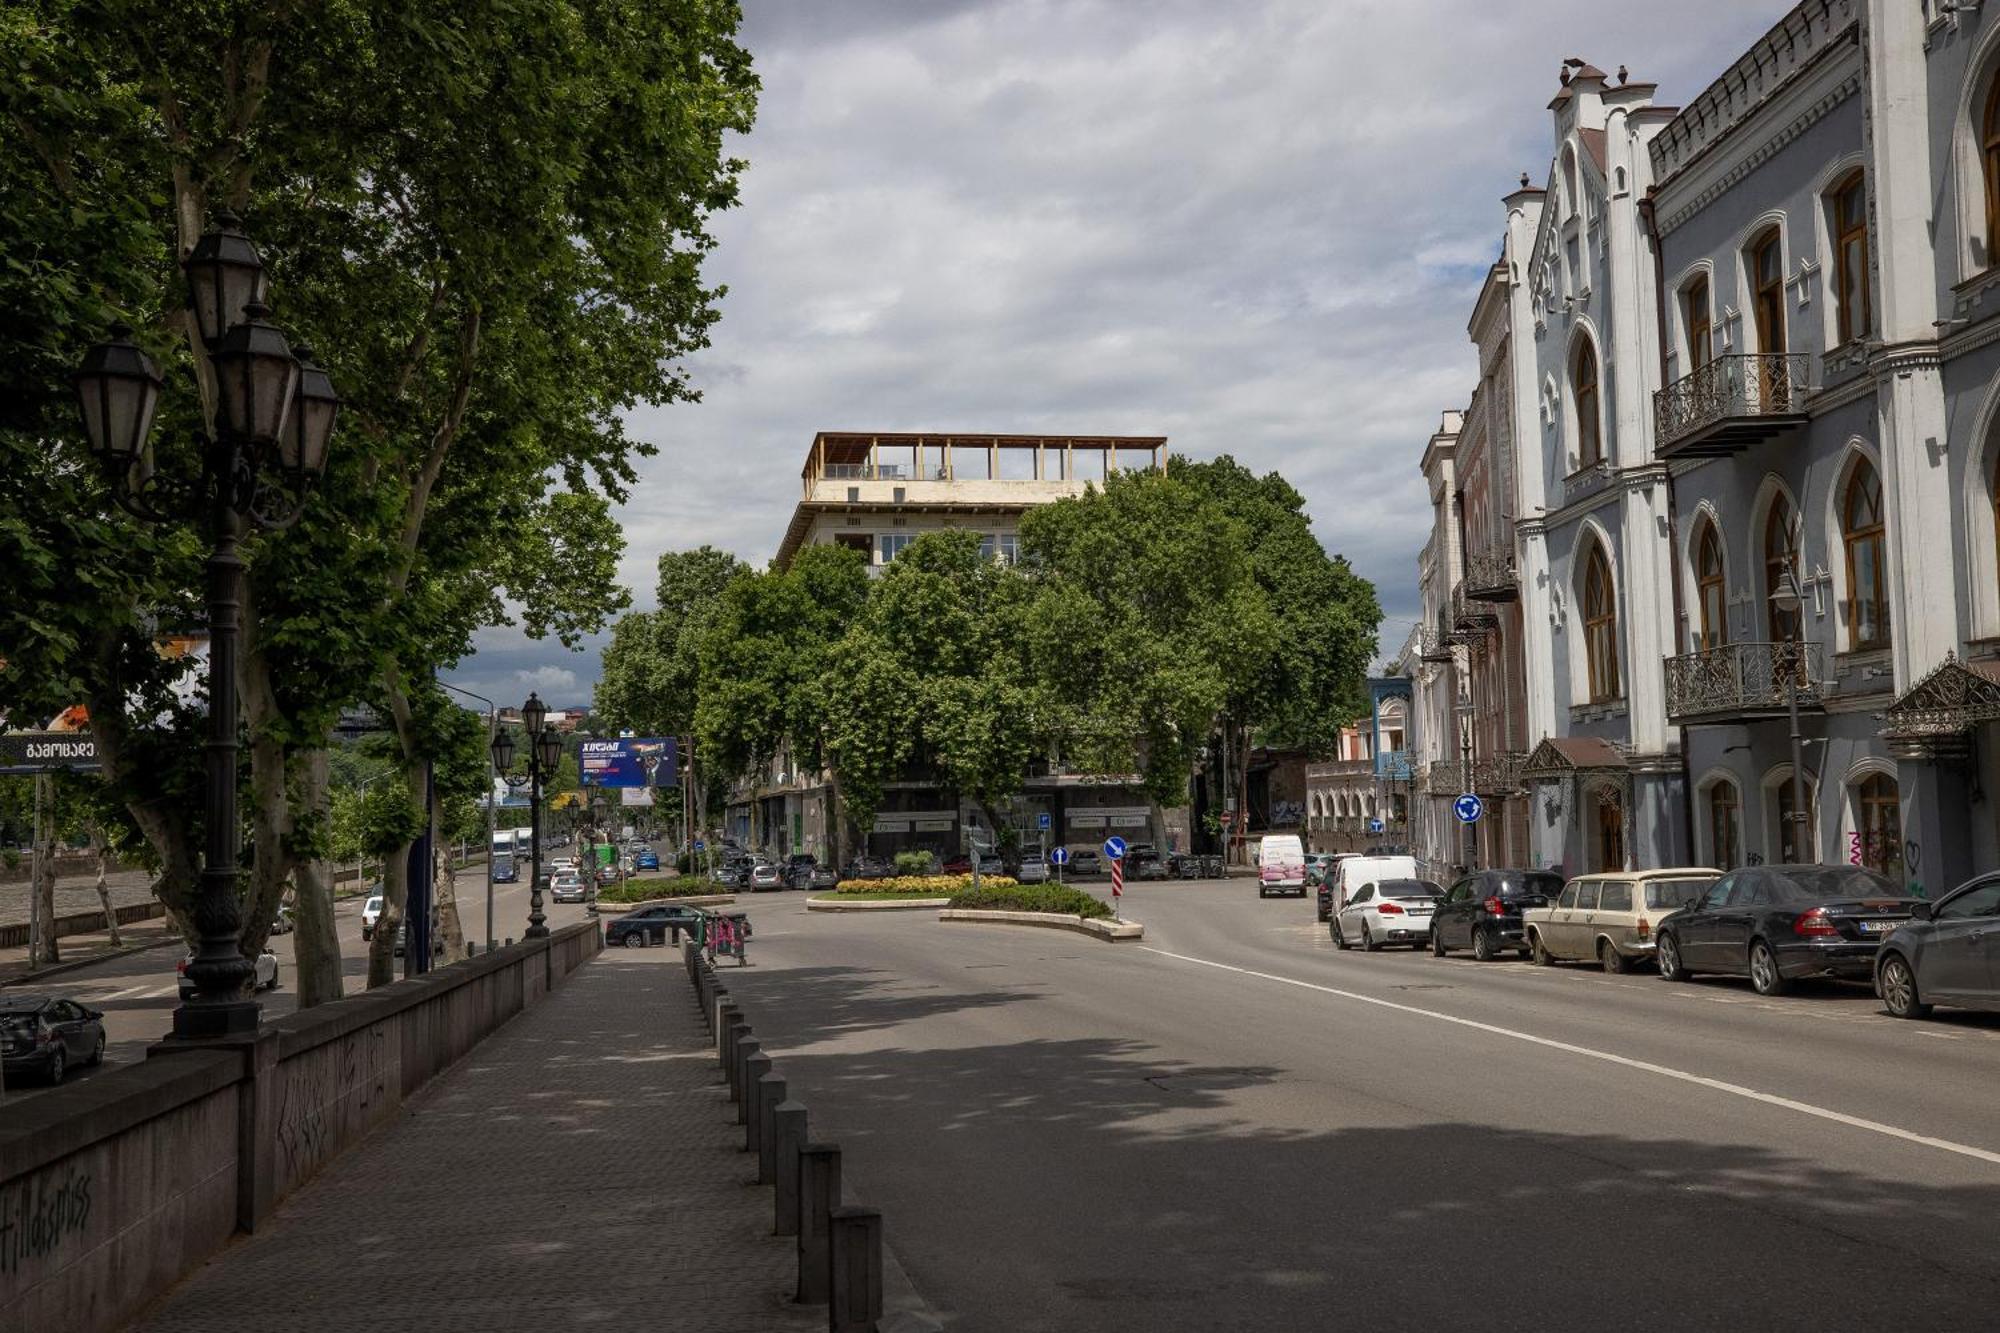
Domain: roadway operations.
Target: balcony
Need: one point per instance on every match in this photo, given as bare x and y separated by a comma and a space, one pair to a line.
1471, 618
1490, 577
1730, 404
1498, 774
1433, 644
1743, 682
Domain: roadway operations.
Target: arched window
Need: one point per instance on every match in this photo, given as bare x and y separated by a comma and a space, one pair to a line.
1583, 389
1767, 282
1711, 588
1867, 579
1725, 853
1600, 628
1854, 312
1781, 556
1879, 819
1990, 160
1699, 314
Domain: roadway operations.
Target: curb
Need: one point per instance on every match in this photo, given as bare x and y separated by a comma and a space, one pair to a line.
57, 969
1111, 932
875, 904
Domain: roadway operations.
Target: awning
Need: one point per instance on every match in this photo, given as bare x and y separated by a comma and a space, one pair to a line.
1561, 756
1954, 698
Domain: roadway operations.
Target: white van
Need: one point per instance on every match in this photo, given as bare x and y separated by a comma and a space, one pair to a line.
1281, 866
1354, 871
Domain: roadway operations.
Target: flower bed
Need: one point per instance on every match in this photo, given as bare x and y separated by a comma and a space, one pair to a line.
1006, 896
915, 886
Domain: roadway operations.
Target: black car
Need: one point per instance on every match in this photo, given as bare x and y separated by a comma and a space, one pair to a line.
1482, 911
651, 925
1775, 924
1147, 865
799, 869
43, 1035
867, 867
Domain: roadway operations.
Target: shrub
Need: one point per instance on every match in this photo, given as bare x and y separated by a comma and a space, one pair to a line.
645, 890
1004, 895
915, 886
915, 863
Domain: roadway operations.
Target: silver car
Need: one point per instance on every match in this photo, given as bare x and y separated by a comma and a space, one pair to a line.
1034, 869
1948, 954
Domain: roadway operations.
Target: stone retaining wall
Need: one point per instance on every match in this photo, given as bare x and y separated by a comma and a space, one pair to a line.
113, 1189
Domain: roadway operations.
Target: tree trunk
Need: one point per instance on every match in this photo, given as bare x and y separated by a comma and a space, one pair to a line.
270, 831
45, 867
445, 877
315, 944
395, 894
103, 850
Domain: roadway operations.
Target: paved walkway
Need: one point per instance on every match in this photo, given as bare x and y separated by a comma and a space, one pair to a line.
579, 1170
77, 893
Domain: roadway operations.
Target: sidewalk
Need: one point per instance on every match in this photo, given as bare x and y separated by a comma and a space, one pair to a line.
580, 1169
78, 950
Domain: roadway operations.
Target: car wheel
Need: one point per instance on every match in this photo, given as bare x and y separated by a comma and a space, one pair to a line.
1765, 978
1263, 893
1668, 959
1484, 947
1368, 941
1437, 943
97, 1050
1898, 985
1539, 952
58, 1063
1339, 937
1608, 957
635, 939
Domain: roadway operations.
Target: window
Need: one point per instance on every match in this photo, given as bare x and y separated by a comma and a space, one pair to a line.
1583, 388
1850, 258
1795, 838
1867, 580
1990, 160
1670, 895
1600, 628
1781, 556
1700, 324
1722, 816
1711, 589
1878, 812
1767, 282
1004, 547
1568, 899
1586, 896
854, 495
892, 544
1981, 901
1616, 898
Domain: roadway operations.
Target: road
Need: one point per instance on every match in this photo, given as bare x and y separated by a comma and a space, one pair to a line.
138, 991
1234, 1126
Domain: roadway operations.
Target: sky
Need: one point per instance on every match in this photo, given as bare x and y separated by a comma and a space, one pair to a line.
1254, 226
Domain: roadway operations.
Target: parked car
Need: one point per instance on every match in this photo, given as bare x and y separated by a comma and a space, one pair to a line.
1350, 872
568, 889
1483, 910
1776, 924
866, 867
646, 860
1034, 868
1318, 866
957, 865
1281, 865
282, 923
1146, 865
1083, 861
797, 872
991, 864
766, 875
403, 939
1611, 918
1388, 911
505, 871
650, 925
823, 877
45, 1035
371, 912
264, 975
1948, 953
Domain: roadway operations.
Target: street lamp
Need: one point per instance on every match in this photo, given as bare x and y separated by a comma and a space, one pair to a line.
1789, 600
268, 451
544, 759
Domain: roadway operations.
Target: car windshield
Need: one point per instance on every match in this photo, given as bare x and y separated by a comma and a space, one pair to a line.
1409, 888
1670, 895
1514, 883
1822, 883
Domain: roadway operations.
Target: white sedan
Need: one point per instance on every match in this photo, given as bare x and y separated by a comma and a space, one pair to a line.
263, 977
1390, 911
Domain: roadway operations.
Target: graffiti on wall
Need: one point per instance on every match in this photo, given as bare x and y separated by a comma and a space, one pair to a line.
39, 1216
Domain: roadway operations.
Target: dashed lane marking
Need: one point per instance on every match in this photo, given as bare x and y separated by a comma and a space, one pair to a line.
1607, 1057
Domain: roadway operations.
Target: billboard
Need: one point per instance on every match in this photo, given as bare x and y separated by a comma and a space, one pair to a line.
630, 761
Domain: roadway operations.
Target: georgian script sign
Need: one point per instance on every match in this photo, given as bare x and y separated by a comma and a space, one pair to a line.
44, 751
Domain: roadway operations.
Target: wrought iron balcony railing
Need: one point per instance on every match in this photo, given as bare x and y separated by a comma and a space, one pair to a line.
1499, 774
1731, 403
1740, 681
1433, 644
1490, 577
1470, 618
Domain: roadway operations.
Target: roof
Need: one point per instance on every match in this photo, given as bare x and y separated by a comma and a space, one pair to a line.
1593, 144
1953, 696
1557, 755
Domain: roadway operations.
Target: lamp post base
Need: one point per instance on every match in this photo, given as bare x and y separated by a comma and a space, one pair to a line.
195, 1021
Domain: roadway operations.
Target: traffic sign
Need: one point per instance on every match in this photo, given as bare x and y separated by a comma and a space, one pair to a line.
700, 846
1059, 857
1375, 826
1117, 882
1042, 821
1468, 808
1114, 847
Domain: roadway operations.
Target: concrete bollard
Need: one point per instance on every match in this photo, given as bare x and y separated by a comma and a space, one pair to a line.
854, 1270
727, 1015
745, 1048
788, 1130
748, 1113
819, 1195
770, 1091
737, 1033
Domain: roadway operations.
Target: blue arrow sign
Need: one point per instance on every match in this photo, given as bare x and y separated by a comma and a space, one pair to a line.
1114, 847
700, 846
1060, 856
1468, 808
1374, 826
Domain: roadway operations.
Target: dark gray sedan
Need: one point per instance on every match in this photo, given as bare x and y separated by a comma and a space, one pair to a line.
1949, 954
45, 1035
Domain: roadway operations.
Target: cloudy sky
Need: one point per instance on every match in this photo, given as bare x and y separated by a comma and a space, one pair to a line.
1254, 226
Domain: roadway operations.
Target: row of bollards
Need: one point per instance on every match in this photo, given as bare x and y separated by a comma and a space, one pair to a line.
839, 1246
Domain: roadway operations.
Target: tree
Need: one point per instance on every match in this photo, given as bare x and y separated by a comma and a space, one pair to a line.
652, 667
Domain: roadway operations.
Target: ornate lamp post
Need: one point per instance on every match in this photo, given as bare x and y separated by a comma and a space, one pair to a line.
274, 416
1789, 599
544, 759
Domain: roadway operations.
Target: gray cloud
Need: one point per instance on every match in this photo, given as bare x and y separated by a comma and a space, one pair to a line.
1254, 227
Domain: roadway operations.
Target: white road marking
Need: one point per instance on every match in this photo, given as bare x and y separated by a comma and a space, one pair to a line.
119, 995
1608, 1057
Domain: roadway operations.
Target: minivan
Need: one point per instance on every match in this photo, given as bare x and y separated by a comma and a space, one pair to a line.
1281, 866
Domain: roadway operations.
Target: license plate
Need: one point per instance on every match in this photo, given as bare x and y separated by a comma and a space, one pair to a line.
1420, 911
1878, 927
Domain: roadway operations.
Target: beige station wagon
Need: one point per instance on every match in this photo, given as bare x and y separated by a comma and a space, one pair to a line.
1612, 917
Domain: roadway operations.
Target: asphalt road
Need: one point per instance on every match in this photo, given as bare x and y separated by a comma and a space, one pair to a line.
1235, 1126
138, 991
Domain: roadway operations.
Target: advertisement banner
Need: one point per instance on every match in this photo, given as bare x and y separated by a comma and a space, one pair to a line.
631, 762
